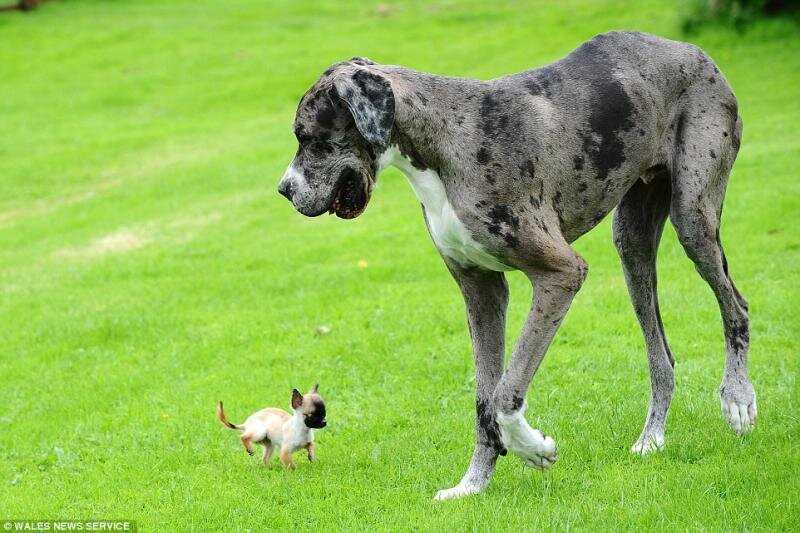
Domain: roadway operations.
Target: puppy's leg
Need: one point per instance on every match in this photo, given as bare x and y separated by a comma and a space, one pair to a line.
486, 297
312, 451
638, 224
557, 273
247, 442
267, 452
286, 458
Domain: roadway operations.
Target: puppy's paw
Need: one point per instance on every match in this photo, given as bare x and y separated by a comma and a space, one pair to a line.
459, 491
534, 448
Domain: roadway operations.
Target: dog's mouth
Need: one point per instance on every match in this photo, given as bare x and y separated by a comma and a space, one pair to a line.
351, 197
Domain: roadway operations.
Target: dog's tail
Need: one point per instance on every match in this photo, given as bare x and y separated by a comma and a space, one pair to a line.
221, 416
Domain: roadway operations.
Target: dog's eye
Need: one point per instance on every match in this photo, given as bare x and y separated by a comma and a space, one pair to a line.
302, 137
320, 147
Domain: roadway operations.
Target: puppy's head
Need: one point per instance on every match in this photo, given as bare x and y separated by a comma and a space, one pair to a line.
311, 406
342, 125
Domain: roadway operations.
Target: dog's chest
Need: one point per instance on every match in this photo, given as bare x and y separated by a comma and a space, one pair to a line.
448, 232
295, 434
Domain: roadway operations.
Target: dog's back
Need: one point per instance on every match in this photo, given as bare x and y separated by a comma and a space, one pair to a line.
267, 424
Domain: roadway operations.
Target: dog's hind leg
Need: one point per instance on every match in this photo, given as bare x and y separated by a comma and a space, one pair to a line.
638, 224
268, 448
247, 442
706, 143
486, 298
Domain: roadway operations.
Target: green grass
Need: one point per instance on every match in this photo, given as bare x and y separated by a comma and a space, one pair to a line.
148, 269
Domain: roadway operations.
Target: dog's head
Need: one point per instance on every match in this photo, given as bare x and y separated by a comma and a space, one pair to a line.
311, 406
342, 125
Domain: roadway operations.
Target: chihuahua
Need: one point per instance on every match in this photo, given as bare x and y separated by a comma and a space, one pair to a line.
274, 428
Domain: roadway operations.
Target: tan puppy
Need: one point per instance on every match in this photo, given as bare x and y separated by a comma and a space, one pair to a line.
276, 429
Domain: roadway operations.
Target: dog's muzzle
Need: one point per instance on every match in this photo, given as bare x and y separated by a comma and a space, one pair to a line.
316, 423
290, 182
286, 189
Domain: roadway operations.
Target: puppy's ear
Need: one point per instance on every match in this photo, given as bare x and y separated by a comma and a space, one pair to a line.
297, 399
369, 97
315, 388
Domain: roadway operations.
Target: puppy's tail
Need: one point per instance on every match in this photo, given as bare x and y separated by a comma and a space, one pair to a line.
221, 416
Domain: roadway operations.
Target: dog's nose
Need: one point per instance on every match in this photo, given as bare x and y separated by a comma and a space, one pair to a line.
285, 188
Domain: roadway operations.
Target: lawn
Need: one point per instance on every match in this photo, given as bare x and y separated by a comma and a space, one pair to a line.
148, 269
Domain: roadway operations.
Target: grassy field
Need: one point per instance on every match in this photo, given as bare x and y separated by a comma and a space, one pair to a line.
148, 269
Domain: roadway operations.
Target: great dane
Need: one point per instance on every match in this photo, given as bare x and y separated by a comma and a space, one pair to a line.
512, 170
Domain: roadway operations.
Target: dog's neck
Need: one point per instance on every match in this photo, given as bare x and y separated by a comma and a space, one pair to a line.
421, 100
299, 428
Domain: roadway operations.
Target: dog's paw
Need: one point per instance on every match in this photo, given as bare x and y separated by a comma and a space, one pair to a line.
534, 448
648, 443
741, 415
738, 401
459, 491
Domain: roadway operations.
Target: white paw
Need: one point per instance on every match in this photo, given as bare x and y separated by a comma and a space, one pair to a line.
535, 449
459, 491
648, 443
741, 415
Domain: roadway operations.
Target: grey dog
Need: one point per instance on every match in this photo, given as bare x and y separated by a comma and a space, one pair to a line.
512, 170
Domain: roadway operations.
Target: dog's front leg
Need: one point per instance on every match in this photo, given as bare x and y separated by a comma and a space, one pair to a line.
554, 289
286, 458
486, 298
312, 451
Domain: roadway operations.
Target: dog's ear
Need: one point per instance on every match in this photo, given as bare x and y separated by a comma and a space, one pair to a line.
315, 388
360, 60
369, 97
297, 399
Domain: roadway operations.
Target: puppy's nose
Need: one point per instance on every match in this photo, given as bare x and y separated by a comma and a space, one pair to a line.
285, 188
